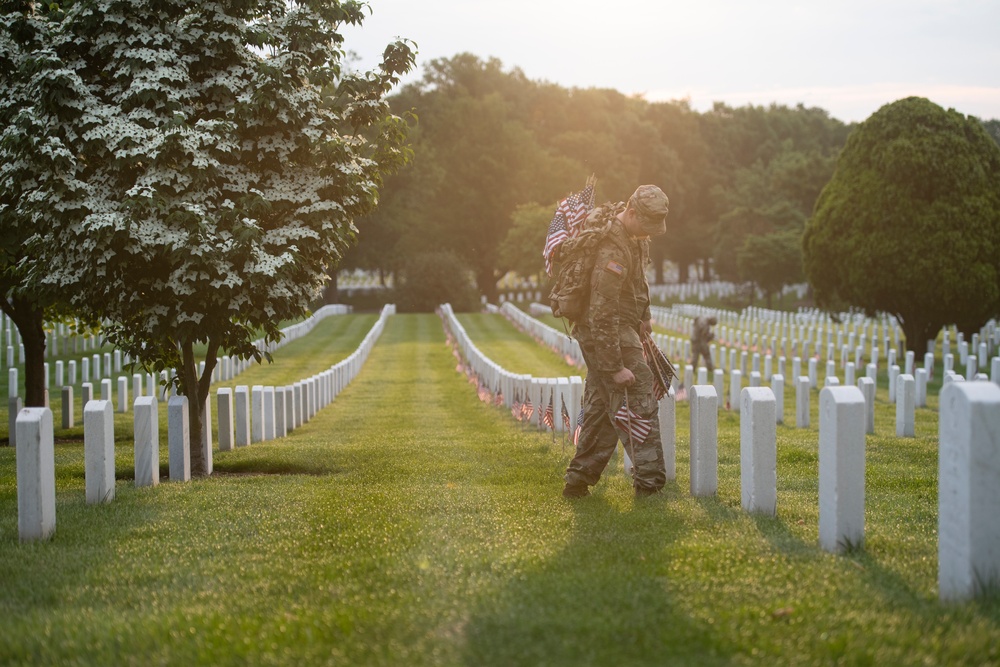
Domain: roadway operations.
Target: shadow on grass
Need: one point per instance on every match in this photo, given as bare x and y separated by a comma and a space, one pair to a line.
890, 584
270, 467
605, 598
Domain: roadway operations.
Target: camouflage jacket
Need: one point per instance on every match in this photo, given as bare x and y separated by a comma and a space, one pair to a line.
702, 330
619, 294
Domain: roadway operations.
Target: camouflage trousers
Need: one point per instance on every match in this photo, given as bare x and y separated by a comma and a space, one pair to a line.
701, 348
599, 436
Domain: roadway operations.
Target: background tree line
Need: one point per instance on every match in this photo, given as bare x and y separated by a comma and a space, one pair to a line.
495, 151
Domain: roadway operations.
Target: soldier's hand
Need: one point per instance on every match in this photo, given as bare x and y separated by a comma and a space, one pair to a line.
647, 327
623, 378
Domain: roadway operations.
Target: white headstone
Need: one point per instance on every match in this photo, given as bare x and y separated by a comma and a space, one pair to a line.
758, 450
893, 374
969, 490
802, 401
179, 439
929, 365
921, 380
841, 468
290, 408
257, 408
36, 474
280, 430
269, 413
906, 401
146, 428
297, 404
206, 434
704, 440
122, 394
867, 387
241, 411
719, 381
99, 451
735, 386
971, 367
227, 438
778, 389
137, 385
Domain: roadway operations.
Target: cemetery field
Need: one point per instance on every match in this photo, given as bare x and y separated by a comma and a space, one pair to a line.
410, 524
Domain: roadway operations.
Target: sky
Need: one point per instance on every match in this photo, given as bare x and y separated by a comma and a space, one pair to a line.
848, 57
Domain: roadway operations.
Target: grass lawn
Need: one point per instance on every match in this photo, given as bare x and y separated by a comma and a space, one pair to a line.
410, 524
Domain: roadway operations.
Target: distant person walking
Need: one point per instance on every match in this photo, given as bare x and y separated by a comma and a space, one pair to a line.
618, 401
701, 336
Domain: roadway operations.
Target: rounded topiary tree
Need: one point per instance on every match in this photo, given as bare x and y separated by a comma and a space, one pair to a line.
910, 222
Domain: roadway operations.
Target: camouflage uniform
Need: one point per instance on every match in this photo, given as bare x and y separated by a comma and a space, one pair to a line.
609, 339
701, 336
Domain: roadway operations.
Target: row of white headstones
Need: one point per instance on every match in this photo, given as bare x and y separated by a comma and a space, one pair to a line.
147, 384
969, 472
248, 415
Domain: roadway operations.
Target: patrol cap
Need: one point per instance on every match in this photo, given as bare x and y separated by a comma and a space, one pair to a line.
651, 203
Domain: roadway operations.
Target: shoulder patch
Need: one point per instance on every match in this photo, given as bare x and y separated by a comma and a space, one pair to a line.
615, 268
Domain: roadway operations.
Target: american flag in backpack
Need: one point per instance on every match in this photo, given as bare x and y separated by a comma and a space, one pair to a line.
567, 221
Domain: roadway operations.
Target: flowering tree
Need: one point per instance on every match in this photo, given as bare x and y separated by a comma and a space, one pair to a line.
213, 158
32, 173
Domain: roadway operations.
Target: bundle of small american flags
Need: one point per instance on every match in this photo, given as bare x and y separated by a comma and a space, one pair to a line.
635, 426
567, 221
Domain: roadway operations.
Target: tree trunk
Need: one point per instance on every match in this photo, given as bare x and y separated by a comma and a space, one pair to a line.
682, 272
918, 333
29, 320
487, 285
331, 293
197, 390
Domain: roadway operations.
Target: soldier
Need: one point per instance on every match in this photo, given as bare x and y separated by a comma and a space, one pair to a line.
701, 336
609, 336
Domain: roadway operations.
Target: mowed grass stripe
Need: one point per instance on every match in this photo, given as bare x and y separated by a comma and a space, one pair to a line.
332, 339
434, 482
512, 349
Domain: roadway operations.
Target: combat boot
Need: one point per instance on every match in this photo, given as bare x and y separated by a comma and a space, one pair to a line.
577, 490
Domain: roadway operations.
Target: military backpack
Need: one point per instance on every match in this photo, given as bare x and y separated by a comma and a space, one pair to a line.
570, 295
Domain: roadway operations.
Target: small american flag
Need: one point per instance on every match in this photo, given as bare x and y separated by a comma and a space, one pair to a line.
527, 409
566, 223
498, 397
516, 408
565, 416
636, 427
549, 417
579, 427
553, 239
